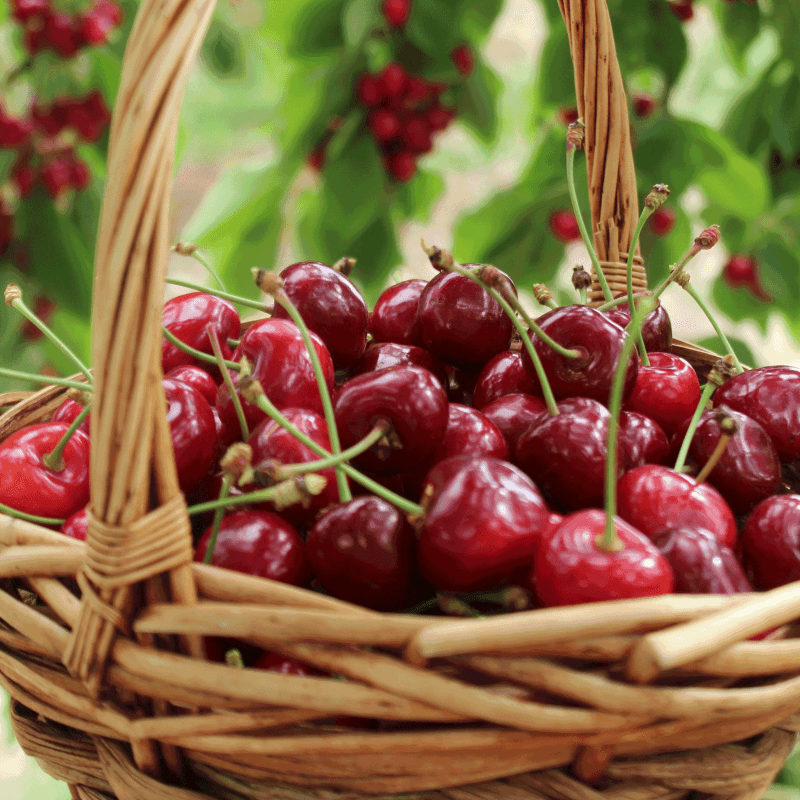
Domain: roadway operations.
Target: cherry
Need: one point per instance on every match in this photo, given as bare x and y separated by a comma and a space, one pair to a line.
700, 563
656, 330
25, 10
748, 470
363, 552
316, 158
643, 106
394, 79
79, 174
513, 415
27, 485
418, 89
667, 391
771, 541
470, 433
396, 12
77, 525
258, 543
370, 91
394, 316
61, 34
682, 9
411, 398
662, 220
463, 59
570, 567
482, 524
285, 665
438, 117
567, 116
68, 411
653, 498
503, 374
387, 354
6, 230
330, 305
596, 338
25, 177
279, 360
416, 135
564, 226
198, 379
641, 441
402, 166
742, 271
96, 24
14, 133
187, 317
56, 176
769, 395
384, 124
461, 323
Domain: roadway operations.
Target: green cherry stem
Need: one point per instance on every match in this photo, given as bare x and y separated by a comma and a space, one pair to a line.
705, 396
615, 303
705, 241
12, 512
198, 354
190, 249
643, 217
609, 541
242, 301
228, 381
217, 521
54, 459
274, 285
47, 380
13, 298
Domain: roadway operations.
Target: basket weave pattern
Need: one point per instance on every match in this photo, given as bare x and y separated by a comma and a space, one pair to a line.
100, 643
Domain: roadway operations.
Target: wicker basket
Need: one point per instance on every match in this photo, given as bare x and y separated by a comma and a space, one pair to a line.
100, 643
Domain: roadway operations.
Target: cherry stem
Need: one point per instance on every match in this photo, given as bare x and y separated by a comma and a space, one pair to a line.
676, 268
189, 249
219, 513
242, 301
226, 377
708, 391
198, 354
14, 299
47, 380
643, 217
54, 459
582, 295
610, 542
283, 300
264, 403
576, 209
615, 303
49, 521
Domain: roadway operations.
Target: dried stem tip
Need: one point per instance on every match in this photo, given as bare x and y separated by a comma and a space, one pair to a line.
728, 424
80, 397
497, 280
581, 279
299, 489
440, 259
723, 370
237, 463
682, 278
657, 197
250, 389
542, 294
708, 238
345, 265
269, 282
575, 135
12, 293
185, 248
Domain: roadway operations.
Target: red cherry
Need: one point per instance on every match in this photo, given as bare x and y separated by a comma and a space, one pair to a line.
417, 89
742, 271
79, 174
396, 12
52, 119
662, 220
285, 665
567, 116
316, 158
771, 541
503, 374
570, 567
95, 27
438, 117
27, 485
384, 124
470, 433
394, 316
77, 526
68, 411
388, 354
643, 106
682, 9
656, 330
513, 415
564, 226
464, 59
25, 178
370, 91
363, 552
6, 231
394, 79
57, 176
402, 166
641, 441
198, 379
61, 34
14, 133
471, 537
258, 543
25, 10
416, 135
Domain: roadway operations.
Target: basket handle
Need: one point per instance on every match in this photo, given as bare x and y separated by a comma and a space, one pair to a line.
603, 107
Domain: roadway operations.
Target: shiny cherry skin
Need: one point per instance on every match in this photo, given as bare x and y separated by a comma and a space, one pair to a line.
470, 433
363, 552
656, 330
394, 316
258, 543
187, 317
280, 362
513, 415
76, 526
198, 379
460, 322
390, 354
27, 485
482, 525
667, 391
331, 306
273, 444
653, 498
285, 665
194, 433
598, 340
68, 411
504, 374
415, 403
747, 472
770, 396
565, 455
641, 441
771, 541
700, 563
570, 567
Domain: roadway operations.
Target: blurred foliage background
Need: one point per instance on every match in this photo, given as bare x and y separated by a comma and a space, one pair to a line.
276, 84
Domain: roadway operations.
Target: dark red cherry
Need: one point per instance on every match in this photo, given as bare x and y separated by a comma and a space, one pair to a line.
747, 472
513, 415
280, 362
77, 526
394, 317
388, 354
656, 330
461, 323
770, 396
570, 567
564, 226
482, 525
286, 665
330, 305
56, 175
370, 91
415, 403
662, 221
363, 552
641, 441
470, 433
258, 543
14, 133
771, 541
384, 124
61, 34
402, 166
394, 79
416, 134
464, 59
68, 411
439, 117
504, 374
27, 485
599, 342
196, 378
742, 271
700, 563
24, 10
653, 498
187, 318
194, 432
682, 9
667, 391
643, 106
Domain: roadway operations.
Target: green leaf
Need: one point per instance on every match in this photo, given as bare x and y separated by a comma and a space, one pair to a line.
476, 101
319, 28
556, 84
743, 351
475, 20
660, 252
786, 118
741, 24
415, 199
359, 19
222, 50
749, 122
432, 26
740, 304
376, 254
